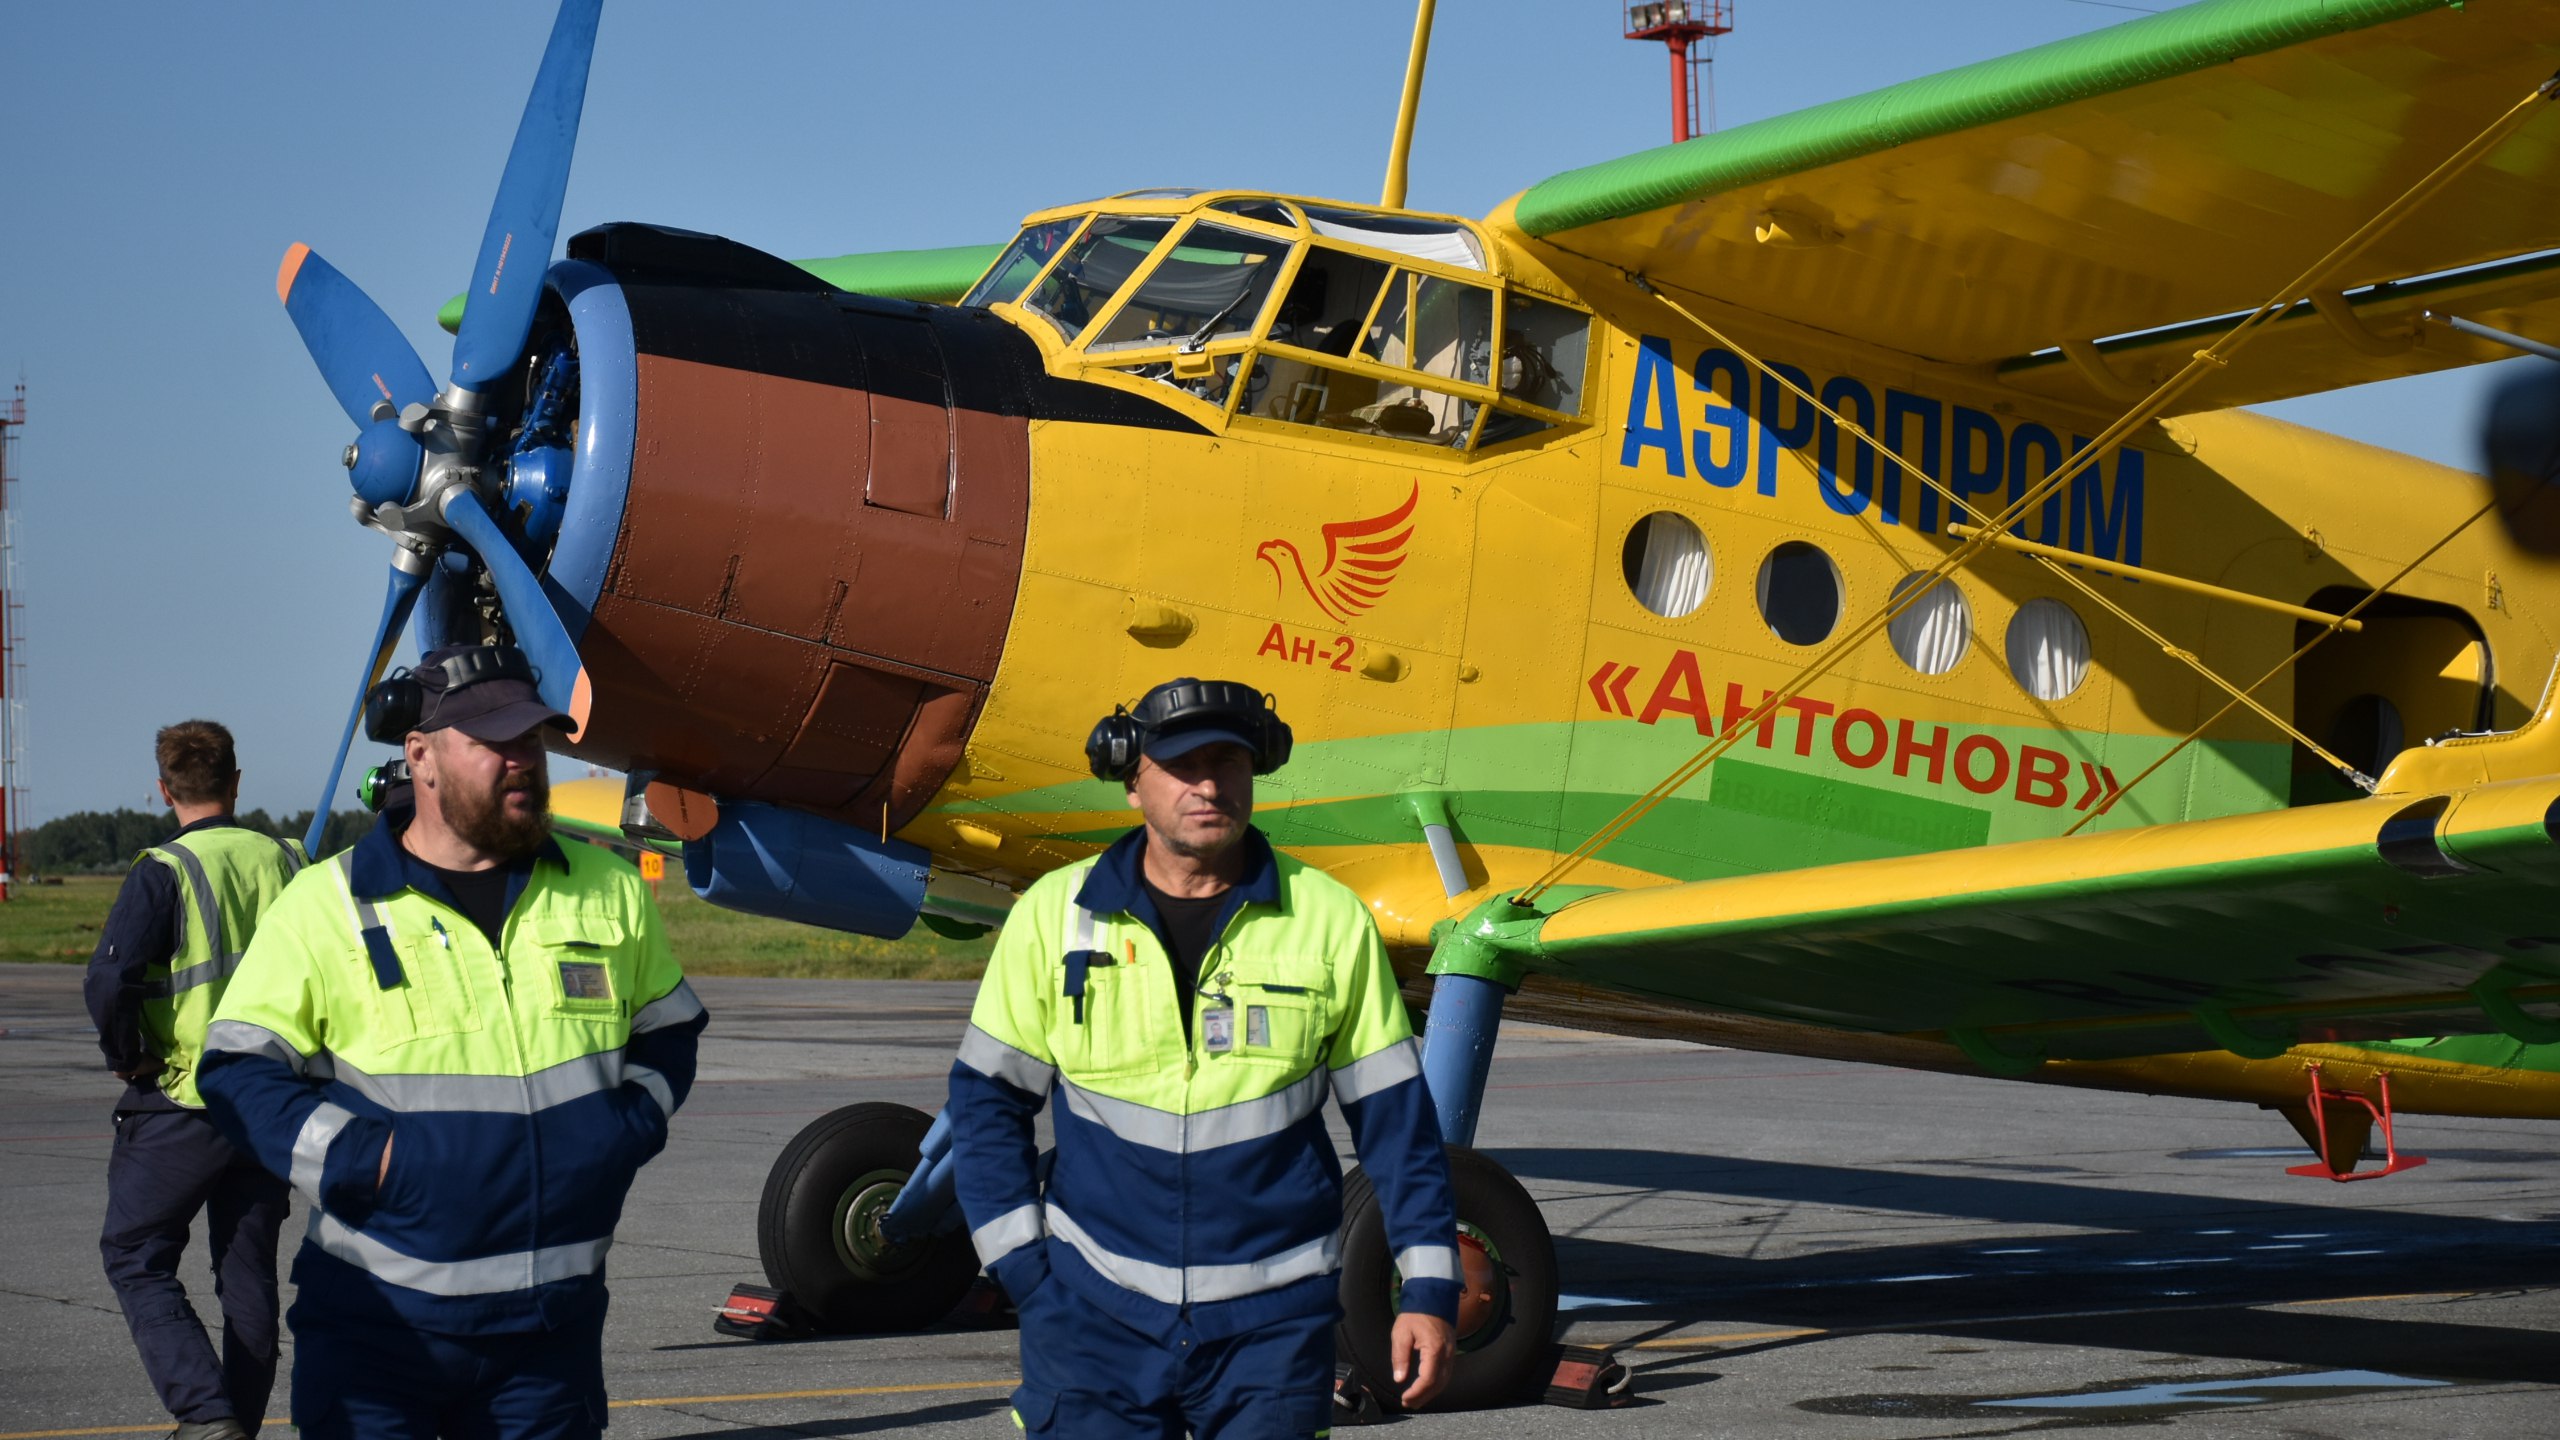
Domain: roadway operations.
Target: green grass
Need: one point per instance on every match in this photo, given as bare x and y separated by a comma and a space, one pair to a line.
56, 922
60, 923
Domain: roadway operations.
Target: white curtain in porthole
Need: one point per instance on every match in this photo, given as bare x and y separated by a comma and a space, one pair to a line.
2048, 649
1932, 632
1671, 581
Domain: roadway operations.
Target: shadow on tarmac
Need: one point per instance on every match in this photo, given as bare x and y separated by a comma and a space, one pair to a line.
949, 1412
2179, 1270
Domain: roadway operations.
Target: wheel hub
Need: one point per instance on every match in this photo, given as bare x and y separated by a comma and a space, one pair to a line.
861, 1244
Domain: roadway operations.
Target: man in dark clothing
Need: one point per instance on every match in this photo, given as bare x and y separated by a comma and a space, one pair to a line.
179, 925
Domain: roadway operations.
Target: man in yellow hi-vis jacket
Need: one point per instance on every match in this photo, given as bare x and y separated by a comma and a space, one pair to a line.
460, 1041
187, 910
1192, 996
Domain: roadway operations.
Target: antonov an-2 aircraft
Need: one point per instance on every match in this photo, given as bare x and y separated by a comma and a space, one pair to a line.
1806, 588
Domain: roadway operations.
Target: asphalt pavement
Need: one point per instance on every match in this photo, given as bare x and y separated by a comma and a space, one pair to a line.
1780, 1246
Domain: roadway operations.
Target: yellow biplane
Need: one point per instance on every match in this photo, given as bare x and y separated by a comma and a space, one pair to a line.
1805, 588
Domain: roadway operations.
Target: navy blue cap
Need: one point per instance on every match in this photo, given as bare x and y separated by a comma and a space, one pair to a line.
485, 691
1183, 742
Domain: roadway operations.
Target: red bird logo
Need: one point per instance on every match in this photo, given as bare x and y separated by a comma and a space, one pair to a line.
1360, 560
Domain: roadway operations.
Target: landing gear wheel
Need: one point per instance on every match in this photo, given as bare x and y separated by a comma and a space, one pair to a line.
1507, 1305
818, 1227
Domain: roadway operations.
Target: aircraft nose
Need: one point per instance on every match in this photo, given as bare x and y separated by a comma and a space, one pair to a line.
819, 530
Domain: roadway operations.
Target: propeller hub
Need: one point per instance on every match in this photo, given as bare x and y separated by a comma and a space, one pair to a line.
383, 463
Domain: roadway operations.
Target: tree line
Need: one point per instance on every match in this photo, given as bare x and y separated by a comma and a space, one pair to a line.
104, 842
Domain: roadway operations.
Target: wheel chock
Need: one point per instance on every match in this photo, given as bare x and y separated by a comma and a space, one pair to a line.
2338, 1159
1587, 1377
1354, 1402
754, 1312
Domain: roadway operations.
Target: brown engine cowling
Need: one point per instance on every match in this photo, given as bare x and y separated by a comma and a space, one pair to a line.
819, 532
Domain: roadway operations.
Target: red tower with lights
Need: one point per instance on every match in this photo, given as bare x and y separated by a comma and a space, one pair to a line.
11, 667
1680, 25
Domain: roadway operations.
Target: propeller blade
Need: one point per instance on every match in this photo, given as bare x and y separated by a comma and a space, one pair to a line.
408, 571
362, 355
515, 251
538, 630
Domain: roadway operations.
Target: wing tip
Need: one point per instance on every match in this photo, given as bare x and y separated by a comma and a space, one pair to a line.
292, 266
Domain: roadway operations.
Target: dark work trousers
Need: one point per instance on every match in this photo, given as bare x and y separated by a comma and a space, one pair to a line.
1086, 1376
166, 1166
363, 1380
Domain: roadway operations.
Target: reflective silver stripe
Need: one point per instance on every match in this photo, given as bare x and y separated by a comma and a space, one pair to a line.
1191, 1134
203, 972
293, 858
673, 1008
1320, 1256
239, 1037
996, 1060
1200, 1284
311, 1145
1083, 929
208, 909
500, 1094
1428, 1262
1156, 1282
656, 1084
1370, 1074
1007, 1233
488, 1275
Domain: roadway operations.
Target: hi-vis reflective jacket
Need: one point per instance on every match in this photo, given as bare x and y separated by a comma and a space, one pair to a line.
227, 877
1194, 1185
520, 1089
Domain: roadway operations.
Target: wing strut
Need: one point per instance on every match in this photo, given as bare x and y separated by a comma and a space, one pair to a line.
2212, 358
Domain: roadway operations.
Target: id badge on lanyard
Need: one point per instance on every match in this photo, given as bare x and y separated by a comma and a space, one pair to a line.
1218, 1019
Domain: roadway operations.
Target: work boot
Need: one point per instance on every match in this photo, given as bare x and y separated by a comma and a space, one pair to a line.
224, 1429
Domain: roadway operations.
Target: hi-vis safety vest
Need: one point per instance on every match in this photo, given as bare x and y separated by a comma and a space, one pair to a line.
1194, 1181
227, 876
520, 1086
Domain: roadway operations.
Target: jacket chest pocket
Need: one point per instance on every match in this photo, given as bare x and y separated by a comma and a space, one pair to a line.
434, 996
571, 967
1280, 1012
1104, 1008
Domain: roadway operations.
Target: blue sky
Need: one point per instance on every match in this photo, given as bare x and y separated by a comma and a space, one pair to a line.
184, 545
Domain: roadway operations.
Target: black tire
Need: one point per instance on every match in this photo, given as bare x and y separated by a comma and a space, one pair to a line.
849, 1163
1503, 1358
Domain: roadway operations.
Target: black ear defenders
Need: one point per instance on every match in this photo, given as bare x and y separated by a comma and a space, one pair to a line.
1112, 750
397, 704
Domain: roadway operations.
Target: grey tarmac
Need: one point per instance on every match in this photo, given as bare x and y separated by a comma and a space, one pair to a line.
1781, 1246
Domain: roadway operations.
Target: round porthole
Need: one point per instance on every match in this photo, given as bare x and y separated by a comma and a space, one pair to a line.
1667, 565
2048, 649
1931, 633
1800, 594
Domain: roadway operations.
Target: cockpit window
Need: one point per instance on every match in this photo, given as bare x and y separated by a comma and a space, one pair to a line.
1434, 240
1212, 285
1035, 247
1329, 301
1439, 327
1082, 282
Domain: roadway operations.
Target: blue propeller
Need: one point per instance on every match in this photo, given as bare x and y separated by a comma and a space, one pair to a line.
515, 250
396, 604
424, 460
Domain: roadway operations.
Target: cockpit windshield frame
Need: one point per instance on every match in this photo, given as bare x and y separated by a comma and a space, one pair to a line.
1331, 375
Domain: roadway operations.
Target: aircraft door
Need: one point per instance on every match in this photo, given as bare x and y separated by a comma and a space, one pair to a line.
2416, 672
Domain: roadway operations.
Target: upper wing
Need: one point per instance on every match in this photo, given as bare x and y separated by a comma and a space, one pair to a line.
2160, 173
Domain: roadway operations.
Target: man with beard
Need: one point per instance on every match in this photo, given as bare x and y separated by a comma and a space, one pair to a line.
1193, 995
459, 1040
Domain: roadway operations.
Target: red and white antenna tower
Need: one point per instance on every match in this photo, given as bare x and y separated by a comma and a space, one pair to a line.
1681, 25
12, 668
